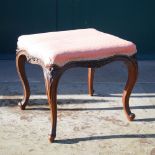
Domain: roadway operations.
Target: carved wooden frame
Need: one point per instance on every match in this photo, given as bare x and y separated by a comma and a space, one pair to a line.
53, 73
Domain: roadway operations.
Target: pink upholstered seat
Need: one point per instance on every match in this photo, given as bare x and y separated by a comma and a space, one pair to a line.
74, 45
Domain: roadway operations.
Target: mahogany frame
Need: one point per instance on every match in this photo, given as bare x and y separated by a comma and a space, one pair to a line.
53, 73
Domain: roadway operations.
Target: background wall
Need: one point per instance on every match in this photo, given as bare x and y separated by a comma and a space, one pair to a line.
130, 19
19, 17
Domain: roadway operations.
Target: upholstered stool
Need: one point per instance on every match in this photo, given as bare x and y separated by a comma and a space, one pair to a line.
59, 51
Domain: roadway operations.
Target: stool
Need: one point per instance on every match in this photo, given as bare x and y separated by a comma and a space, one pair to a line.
56, 52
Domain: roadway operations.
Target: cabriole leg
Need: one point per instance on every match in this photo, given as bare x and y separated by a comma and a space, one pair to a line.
20, 65
132, 77
51, 83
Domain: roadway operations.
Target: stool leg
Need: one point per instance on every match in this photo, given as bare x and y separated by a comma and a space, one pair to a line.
91, 72
51, 84
132, 77
20, 65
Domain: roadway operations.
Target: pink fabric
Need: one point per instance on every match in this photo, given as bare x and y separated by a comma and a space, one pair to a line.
74, 45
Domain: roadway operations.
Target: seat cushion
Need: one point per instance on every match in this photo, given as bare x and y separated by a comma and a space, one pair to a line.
62, 47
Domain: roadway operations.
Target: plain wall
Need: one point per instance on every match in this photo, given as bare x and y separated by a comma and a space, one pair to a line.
133, 20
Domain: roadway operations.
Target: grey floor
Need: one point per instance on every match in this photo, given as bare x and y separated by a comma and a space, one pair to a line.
86, 125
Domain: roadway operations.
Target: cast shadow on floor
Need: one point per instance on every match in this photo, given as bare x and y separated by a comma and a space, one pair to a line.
91, 138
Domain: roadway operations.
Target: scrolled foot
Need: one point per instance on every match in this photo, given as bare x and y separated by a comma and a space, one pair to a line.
51, 138
131, 116
21, 105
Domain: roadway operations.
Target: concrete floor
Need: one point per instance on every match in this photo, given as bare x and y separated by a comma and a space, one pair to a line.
86, 125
